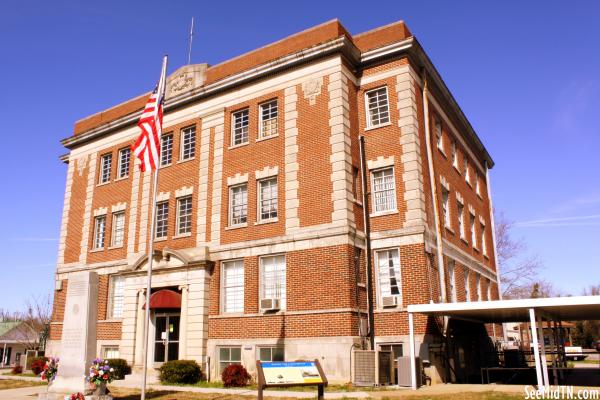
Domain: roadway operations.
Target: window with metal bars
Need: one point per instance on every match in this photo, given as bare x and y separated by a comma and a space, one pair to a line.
99, 232
272, 270
188, 143
105, 165
239, 125
184, 215
162, 219
166, 149
267, 200
233, 287
124, 158
384, 190
238, 204
268, 119
118, 229
388, 272
377, 107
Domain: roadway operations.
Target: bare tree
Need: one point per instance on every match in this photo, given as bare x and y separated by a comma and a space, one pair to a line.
518, 271
34, 322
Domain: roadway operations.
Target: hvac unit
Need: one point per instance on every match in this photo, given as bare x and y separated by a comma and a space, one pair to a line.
389, 301
372, 368
269, 304
404, 376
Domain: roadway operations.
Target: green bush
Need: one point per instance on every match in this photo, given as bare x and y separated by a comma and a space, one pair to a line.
180, 371
120, 367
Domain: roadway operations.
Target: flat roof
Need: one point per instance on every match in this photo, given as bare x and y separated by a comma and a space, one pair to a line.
558, 308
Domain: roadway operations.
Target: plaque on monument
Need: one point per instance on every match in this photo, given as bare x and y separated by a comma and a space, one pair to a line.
78, 344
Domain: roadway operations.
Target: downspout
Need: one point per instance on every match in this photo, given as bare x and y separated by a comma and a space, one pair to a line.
432, 184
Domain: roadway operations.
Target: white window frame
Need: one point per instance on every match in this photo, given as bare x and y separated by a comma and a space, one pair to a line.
489, 289
478, 286
268, 127
446, 207
117, 234
243, 129
99, 239
483, 243
439, 135
275, 200
124, 161
164, 217
187, 216
237, 286
467, 285
105, 168
460, 207
379, 108
187, 145
230, 361
452, 280
166, 149
477, 186
271, 349
466, 170
472, 223
393, 206
112, 297
279, 292
398, 278
244, 206
454, 155
105, 349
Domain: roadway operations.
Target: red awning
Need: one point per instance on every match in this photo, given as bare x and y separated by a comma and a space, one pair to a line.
164, 299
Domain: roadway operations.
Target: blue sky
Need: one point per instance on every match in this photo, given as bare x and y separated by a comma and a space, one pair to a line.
527, 75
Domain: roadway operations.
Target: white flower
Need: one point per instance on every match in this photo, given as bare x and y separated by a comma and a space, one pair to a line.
112, 370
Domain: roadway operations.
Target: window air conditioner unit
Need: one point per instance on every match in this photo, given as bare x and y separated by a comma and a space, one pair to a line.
389, 301
269, 304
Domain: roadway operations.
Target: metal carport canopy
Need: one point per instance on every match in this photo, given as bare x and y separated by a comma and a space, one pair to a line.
556, 308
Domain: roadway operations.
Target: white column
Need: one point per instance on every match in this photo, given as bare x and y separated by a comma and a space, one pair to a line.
543, 347
413, 362
139, 328
536, 351
183, 322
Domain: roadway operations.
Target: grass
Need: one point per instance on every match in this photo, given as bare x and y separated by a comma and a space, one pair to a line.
15, 384
28, 374
587, 362
329, 388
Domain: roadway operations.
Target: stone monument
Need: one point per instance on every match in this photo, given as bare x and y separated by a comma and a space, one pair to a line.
78, 344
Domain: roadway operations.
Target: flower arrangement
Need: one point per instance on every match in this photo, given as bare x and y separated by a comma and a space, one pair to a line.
50, 370
100, 372
76, 396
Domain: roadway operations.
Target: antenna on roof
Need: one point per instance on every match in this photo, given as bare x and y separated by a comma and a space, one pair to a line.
191, 39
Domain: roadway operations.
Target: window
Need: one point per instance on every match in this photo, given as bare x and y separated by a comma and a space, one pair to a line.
233, 287
229, 356
451, 281
105, 163
99, 232
268, 119
124, 157
267, 198
117, 296
438, 134
473, 233
388, 271
483, 244
188, 143
162, 219
384, 190
184, 215
377, 107
395, 348
454, 155
118, 229
478, 286
238, 204
466, 171
446, 206
272, 282
166, 149
467, 286
477, 187
356, 185
489, 289
110, 352
461, 219
271, 353
239, 132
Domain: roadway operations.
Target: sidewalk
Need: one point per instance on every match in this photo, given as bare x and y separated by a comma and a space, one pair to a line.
26, 393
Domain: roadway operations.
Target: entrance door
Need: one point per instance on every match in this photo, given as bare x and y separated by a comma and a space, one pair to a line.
166, 338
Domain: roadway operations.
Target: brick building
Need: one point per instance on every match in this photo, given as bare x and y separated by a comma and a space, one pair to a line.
259, 239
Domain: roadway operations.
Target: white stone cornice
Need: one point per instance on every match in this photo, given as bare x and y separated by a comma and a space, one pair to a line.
381, 162
471, 209
481, 220
163, 196
118, 207
459, 198
237, 179
266, 172
100, 211
444, 183
184, 191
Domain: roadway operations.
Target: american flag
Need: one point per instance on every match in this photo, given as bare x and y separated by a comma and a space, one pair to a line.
147, 146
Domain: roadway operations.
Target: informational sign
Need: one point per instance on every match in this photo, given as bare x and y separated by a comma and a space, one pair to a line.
291, 373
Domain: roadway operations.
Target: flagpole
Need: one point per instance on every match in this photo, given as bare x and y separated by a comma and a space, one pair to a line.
161, 91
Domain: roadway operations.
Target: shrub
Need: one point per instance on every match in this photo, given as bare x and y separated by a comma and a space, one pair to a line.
17, 369
180, 371
38, 364
120, 367
235, 375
